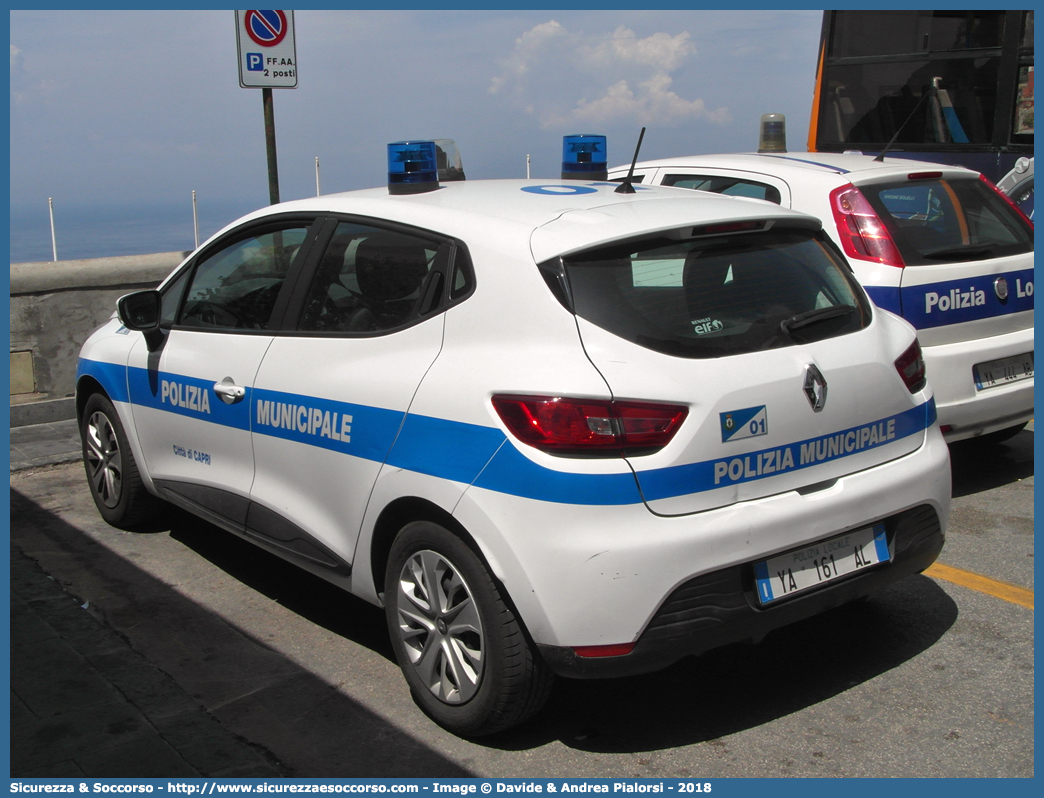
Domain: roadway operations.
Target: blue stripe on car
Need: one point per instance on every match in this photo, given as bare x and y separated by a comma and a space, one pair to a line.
886, 297
831, 167
970, 299
474, 454
112, 378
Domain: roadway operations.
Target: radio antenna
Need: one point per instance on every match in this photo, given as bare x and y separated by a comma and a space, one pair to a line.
625, 187
932, 90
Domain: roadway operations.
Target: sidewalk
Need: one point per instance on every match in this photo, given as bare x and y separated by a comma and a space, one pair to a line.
44, 444
83, 702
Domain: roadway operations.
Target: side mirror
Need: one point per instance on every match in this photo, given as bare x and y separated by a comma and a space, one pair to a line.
140, 311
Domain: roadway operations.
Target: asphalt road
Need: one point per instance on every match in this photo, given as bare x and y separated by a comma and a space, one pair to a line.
928, 678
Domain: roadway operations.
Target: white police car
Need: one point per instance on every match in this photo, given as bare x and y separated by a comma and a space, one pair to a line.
548, 426
938, 245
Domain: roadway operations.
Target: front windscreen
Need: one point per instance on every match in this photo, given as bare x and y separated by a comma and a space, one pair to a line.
710, 297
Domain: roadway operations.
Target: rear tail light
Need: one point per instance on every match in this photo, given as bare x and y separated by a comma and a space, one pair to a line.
1007, 199
910, 365
589, 427
863, 235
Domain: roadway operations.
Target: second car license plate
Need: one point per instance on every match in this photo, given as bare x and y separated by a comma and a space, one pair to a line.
825, 561
1001, 372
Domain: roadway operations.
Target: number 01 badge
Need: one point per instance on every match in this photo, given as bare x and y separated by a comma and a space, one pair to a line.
747, 423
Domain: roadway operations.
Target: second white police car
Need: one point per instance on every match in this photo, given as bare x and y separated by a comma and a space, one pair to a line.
550, 427
935, 244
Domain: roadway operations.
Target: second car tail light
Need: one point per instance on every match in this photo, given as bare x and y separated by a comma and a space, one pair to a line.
910, 365
566, 426
863, 235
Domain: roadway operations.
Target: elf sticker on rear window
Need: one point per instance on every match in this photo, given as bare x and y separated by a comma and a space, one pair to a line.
708, 325
748, 423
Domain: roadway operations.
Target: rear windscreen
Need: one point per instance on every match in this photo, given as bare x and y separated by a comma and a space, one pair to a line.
710, 297
936, 221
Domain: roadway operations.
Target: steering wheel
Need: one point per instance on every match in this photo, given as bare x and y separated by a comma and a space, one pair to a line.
211, 314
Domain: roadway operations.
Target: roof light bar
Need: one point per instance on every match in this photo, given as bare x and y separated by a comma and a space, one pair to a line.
450, 166
584, 157
412, 167
773, 136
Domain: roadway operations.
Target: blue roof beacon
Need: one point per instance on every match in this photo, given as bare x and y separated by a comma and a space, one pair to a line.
584, 157
412, 167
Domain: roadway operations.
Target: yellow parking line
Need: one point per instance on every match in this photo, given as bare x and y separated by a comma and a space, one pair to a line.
1002, 590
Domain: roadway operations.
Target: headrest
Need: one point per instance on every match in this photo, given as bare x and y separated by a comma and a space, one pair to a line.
390, 266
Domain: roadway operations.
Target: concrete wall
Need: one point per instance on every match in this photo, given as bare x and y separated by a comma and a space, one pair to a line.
54, 307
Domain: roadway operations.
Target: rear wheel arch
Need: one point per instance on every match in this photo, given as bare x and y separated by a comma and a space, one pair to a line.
397, 515
408, 509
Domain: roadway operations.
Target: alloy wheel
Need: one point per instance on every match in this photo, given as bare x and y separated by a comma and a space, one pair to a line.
440, 627
104, 461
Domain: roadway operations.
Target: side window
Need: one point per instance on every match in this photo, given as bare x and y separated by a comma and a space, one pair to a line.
462, 274
236, 287
370, 280
171, 298
730, 186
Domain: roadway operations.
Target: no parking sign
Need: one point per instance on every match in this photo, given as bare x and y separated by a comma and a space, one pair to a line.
267, 49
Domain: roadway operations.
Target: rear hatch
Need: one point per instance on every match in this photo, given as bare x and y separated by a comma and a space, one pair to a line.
764, 335
967, 253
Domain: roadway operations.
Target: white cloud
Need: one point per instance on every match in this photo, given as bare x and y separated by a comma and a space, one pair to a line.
528, 50
660, 51
619, 77
22, 83
653, 100
18, 80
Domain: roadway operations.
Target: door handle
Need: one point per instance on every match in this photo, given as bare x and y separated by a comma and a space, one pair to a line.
228, 391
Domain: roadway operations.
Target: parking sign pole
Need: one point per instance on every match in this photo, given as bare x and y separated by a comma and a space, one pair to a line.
267, 55
270, 146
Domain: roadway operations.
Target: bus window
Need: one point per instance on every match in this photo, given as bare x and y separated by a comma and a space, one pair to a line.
876, 78
869, 102
875, 33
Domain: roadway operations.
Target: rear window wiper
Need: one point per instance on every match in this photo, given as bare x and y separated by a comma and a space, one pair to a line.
960, 253
810, 317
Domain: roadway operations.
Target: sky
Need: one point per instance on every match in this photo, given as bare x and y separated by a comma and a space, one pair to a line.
122, 111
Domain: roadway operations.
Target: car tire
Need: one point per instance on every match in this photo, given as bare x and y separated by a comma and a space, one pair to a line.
112, 473
465, 655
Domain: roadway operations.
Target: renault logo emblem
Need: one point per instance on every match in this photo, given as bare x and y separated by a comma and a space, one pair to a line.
1000, 285
815, 387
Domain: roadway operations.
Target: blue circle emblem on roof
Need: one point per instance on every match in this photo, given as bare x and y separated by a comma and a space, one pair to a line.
559, 191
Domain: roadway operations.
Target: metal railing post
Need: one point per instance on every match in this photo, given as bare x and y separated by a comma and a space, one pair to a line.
54, 241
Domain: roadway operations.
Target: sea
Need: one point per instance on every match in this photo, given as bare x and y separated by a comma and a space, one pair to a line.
105, 230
